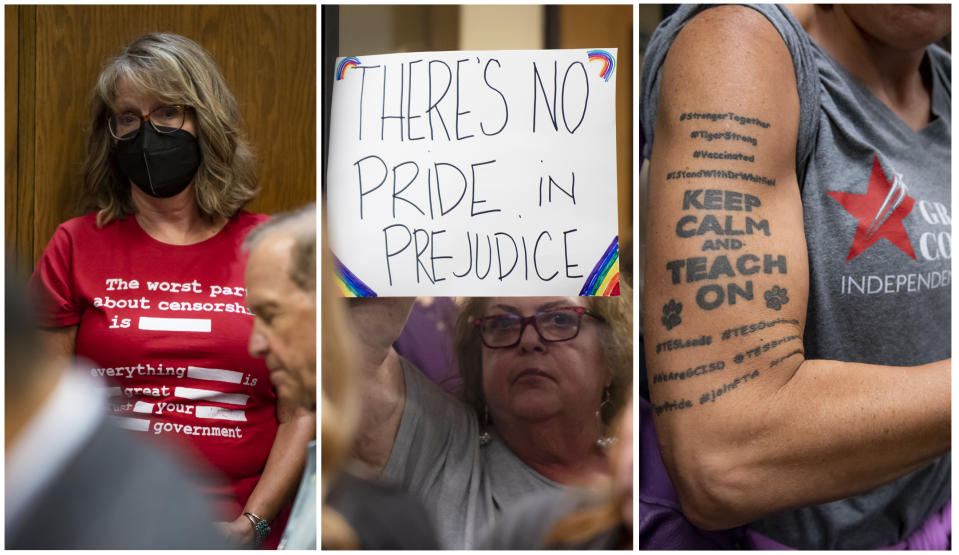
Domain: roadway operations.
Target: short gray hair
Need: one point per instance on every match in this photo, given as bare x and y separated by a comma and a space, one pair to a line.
301, 223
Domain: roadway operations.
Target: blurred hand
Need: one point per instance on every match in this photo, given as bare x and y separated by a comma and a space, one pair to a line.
238, 532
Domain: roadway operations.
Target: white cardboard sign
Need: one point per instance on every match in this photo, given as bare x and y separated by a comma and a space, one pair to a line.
474, 173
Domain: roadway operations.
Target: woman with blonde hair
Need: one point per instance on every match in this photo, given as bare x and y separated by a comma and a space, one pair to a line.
148, 287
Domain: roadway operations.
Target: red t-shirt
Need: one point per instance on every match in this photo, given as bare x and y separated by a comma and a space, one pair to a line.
166, 328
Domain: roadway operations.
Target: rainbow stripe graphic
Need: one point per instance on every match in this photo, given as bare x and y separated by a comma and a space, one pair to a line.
345, 64
349, 284
604, 279
609, 63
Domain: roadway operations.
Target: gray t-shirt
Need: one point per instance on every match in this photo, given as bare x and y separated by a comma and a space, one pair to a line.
437, 456
877, 214
529, 523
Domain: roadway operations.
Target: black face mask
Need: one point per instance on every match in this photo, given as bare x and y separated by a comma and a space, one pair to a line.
160, 164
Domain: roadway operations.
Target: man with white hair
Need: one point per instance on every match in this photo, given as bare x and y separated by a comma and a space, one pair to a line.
281, 292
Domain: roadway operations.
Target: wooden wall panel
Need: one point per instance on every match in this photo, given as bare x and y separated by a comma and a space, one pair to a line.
267, 55
10, 68
602, 26
24, 91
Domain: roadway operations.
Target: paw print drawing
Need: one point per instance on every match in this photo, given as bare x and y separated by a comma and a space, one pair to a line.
671, 312
776, 297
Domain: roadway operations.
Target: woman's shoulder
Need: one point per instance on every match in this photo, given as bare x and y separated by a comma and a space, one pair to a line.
941, 62
243, 222
742, 39
86, 225
86, 222
249, 220
255, 217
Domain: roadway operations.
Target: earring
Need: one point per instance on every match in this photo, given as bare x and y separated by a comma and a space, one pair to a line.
607, 401
485, 437
606, 441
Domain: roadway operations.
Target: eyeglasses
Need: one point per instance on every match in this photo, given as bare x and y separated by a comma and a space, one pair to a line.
165, 119
503, 331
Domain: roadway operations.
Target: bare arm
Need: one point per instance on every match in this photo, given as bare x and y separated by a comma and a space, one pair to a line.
377, 323
747, 425
59, 343
284, 467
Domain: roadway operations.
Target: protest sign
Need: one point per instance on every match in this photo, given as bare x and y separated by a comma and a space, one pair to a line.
474, 173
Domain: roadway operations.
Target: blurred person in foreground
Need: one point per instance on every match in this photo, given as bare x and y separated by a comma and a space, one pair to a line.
598, 517
359, 511
73, 481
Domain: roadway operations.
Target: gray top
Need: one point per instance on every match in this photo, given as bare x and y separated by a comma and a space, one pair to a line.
437, 456
300, 531
528, 524
879, 283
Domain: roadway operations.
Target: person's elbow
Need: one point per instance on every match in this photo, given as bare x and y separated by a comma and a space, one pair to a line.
714, 484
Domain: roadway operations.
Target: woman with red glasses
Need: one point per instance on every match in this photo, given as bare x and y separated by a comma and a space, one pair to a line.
542, 378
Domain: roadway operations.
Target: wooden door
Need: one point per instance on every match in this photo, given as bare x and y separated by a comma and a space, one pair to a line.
603, 26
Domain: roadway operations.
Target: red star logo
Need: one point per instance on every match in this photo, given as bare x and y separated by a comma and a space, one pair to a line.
880, 212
